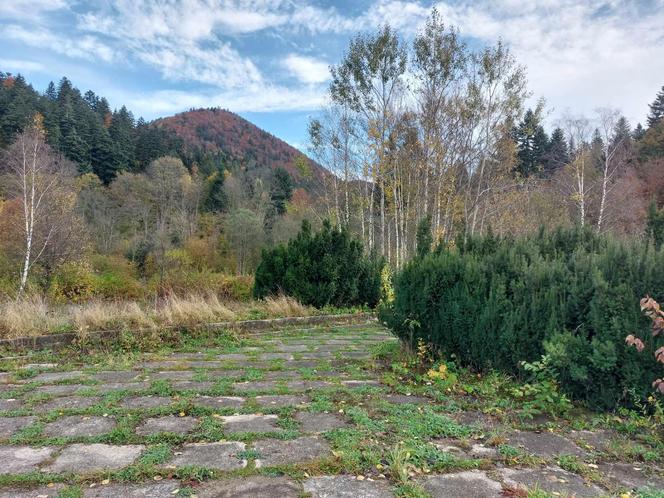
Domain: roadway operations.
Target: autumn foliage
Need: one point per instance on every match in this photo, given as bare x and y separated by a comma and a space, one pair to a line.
652, 310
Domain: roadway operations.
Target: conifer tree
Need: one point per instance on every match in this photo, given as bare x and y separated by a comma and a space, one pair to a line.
638, 132
557, 154
532, 142
656, 109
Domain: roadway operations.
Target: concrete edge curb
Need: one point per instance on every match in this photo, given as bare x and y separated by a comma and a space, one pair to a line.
56, 341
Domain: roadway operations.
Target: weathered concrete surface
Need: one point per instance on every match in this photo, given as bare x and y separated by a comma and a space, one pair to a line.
10, 404
20, 459
304, 449
469, 484
11, 425
143, 402
50, 491
82, 458
544, 444
221, 456
172, 424
250, 423
67, 403
630, 476
346, 487
402, 399
249, 487
550, 479
319, 422
61, 390
117, 376
160, 489
56, 376
78, 426
281, 400
219, 401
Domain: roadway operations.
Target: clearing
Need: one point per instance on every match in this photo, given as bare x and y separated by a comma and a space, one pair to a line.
310, 412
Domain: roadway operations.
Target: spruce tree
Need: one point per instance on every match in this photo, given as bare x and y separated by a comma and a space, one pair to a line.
656, 109
532, 142
638, 132
281, 191
557, 154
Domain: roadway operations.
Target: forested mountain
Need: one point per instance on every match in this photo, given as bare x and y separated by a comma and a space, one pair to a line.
104, 141
219, 130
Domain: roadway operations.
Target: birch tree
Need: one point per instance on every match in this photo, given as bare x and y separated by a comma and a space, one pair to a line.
42, 182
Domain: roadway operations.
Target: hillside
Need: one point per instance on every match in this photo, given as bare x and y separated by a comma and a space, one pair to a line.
218, 130
106, 142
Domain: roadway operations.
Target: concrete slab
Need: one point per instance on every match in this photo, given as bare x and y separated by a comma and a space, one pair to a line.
61, 390
11, 425
255, 386
631, 476
7, 405
469, 484
319, 422
162, 489
221, 456
67, 403
300, 450
50, 491
172, 424
117, 376
404, 399
21, 459
219, 401
281, 400
250, 423
81, 458
49, 377
249, 487
144, 402
346, 487
79, 426
544, 444
550, 479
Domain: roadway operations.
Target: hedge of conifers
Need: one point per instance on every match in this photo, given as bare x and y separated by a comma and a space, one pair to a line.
493, 302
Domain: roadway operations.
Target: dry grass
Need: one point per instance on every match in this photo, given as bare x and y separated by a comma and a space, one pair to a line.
35, 316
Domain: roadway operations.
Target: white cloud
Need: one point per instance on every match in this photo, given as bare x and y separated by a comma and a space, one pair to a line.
26, 9
21, 65
260, 99
307, 69
580, 55
85, 47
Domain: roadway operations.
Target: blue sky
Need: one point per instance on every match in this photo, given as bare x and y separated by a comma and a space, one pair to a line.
268, 59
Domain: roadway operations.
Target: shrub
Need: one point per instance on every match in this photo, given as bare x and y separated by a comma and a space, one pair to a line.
320, 269
72, 282
182, 281
116, 278
497, 301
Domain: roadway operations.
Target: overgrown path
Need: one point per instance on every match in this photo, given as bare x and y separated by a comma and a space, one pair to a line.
287, 414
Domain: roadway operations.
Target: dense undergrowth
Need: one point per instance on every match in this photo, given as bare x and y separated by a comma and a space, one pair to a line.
570, 295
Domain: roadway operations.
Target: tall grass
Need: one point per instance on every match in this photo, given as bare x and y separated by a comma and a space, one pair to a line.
36, 316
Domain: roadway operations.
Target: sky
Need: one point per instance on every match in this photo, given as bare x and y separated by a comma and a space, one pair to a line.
268, 60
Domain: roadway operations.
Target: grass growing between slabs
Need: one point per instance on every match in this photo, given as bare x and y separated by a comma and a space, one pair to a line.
406, 415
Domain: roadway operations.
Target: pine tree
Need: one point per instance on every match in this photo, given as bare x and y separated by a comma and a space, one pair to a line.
656, 109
